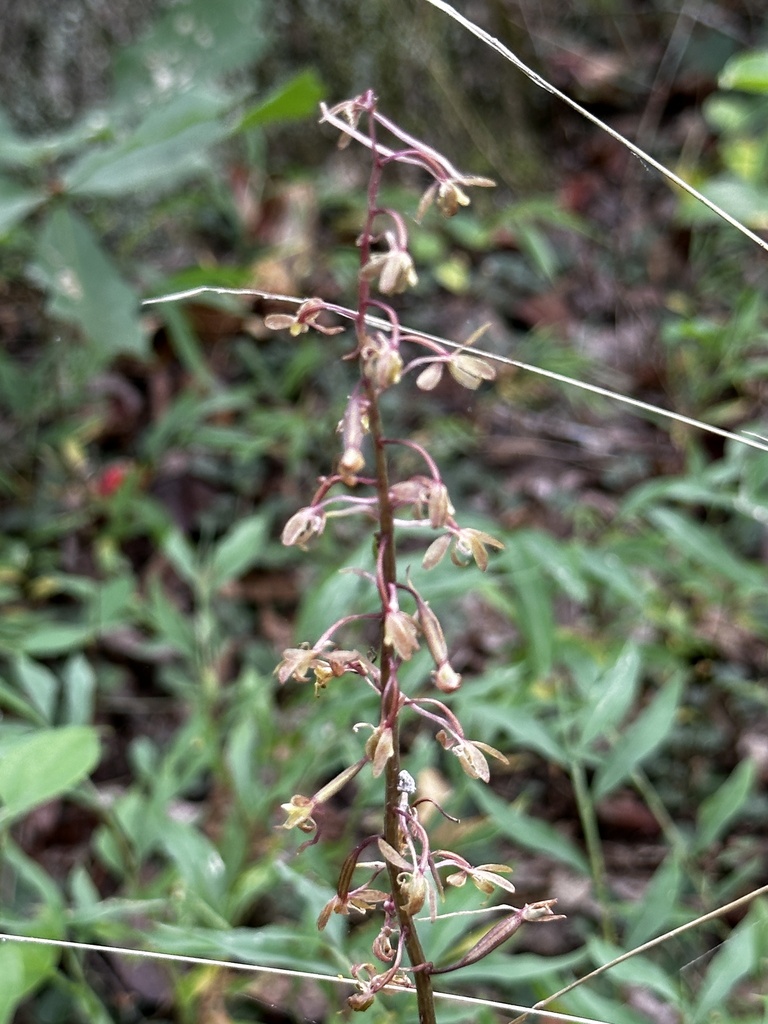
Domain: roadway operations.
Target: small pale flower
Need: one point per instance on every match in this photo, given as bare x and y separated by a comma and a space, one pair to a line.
541, 911
300, 321
436, 551
297, 661
472, 544
382, 363
470, 755
430, 377
485, 877
303, 525
299, 813
361, 900
439, 505
470, 371
414, 889
394, 268
448, 194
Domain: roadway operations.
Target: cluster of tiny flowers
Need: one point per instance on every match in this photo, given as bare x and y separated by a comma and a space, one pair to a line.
406, 621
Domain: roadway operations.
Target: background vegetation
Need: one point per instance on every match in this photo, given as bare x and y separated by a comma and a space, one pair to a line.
615, 650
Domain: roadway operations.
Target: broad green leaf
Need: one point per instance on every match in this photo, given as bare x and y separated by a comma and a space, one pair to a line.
719, 810
705, 546
295, 99
619, 687
238, 550
654, 912
43, 766
198, 861
48, 638
637, 971
272, 945
645, 734
191, 43
86, 289
182, 557
559, 561
23, 967
79, 684
747, 71
16, 202
25, 152
524, 728
735, 959
39, 683
533, 604
745, 200
528, 832
169, 146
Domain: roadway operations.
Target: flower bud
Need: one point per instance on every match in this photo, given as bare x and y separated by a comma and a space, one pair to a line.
400, 633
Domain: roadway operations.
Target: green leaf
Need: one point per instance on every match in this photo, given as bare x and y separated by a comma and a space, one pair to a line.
23, 968
295, 99
734, 960
705, 546
238, 550
39, 684
619, 686
655, 911
43, 766
198, 861
530, 833
169, 146
79, 682
637, 971
86, 289
527, 730
192, 42
16, 202
645, 734
48, 638
533, 603
20, 151
747, 71
720, 809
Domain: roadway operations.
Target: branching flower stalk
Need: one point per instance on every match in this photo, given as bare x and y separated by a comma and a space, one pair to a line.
415, 873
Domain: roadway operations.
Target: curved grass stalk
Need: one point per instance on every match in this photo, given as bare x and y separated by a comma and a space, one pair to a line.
537, 79
651, 944
234, 965
561, 378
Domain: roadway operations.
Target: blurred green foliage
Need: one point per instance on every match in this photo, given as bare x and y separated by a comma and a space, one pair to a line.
619, 659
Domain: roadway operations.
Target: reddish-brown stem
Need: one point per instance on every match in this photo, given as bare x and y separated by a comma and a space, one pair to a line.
387, 574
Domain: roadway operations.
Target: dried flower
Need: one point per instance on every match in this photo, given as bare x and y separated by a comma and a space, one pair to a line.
379, 748
361, 900
353, 428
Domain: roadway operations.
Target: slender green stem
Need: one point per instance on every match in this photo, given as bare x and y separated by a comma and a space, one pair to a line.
594, 846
